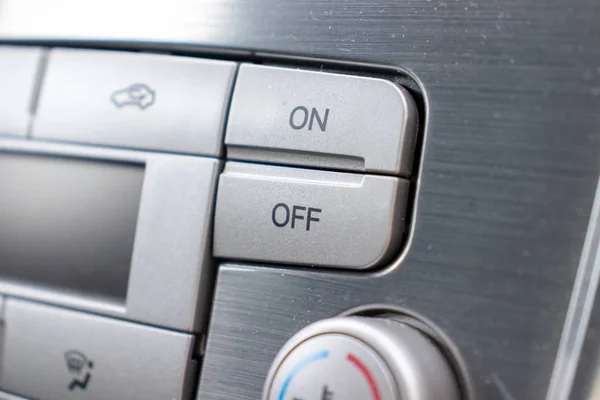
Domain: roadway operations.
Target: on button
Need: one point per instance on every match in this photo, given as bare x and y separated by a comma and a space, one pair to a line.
319, 119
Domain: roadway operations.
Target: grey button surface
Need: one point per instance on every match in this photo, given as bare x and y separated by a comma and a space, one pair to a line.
56, 354
320, 119
18, 70
296, 216
145, 101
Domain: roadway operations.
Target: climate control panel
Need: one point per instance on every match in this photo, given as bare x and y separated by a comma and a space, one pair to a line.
131, 175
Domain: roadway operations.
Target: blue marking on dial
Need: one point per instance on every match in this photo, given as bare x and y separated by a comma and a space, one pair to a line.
299, 367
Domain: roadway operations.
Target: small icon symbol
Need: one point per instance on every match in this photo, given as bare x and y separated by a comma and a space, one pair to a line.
77, 363
327, 394
138, 94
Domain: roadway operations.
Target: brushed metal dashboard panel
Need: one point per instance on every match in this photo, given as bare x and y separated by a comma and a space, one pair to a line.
509, 168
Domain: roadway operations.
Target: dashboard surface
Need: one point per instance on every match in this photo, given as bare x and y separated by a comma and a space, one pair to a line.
508, 172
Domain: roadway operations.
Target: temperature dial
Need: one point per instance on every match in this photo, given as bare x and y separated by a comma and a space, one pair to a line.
361, 358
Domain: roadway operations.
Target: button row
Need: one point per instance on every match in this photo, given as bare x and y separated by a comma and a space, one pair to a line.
56, 354
180, 104
277, 115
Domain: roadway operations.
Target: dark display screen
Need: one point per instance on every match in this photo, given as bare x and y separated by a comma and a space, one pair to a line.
68, 223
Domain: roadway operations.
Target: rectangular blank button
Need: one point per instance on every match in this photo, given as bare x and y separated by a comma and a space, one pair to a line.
296, 216
144, 101
322, 120
56, 354
18, 69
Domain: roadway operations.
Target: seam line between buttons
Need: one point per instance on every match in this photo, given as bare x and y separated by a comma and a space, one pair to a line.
37, 89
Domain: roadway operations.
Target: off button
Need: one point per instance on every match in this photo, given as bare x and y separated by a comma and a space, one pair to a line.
308, 217
323, 120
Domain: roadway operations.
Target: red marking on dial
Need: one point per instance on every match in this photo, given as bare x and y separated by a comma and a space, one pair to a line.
367, 374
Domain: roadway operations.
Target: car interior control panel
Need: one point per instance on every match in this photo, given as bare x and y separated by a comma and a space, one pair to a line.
125, 177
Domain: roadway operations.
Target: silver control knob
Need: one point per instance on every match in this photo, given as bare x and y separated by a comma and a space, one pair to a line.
361, 358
